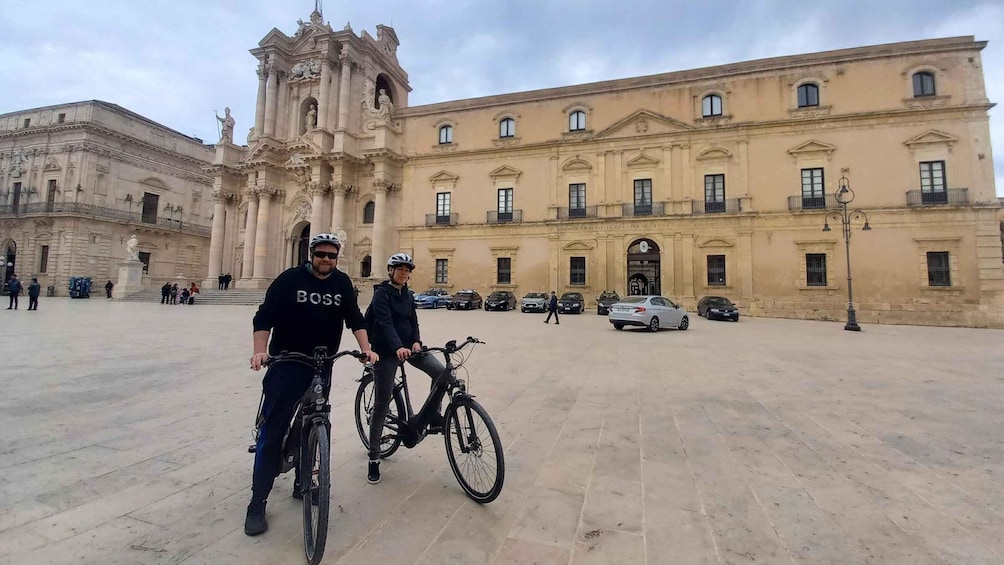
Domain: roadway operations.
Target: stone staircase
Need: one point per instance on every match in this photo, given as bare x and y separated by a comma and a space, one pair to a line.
206, 296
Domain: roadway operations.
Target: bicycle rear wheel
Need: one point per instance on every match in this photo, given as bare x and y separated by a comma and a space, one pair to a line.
474, 450
364, 413
316, 479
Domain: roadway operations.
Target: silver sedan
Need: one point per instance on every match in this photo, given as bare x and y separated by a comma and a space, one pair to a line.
652, 312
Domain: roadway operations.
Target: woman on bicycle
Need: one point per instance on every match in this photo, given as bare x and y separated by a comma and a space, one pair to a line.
394, 335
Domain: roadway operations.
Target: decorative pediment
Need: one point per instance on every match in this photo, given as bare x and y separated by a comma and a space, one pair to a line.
505, 171
274, 37
305, 146
576, 164
715, 243
812, 146
644, 122
930, 138
577, 246
642, 160
714, 153
443, 177
365, 241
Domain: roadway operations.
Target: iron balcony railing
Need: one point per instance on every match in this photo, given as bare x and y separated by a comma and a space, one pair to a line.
566, 213
803, 202
441, 220
103, 213
727, 206
952, 196
496, 217
653, 209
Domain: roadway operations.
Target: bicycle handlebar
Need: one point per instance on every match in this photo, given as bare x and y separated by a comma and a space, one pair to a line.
317, 357
452, 347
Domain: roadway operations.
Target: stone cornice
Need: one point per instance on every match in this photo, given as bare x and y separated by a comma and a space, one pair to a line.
785, 64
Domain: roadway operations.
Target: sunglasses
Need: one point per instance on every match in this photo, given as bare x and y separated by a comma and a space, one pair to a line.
325, 255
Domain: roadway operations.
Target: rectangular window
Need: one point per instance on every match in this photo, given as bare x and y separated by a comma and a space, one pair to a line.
16, 199
50, 196
932, 182
27, 122
61, 118
716, 270
643, 197
812, 189
939, 270
577, 270
441, 271
714, 193
150, 204
504, 267
815, 269
43, 264
442, 207
505, 205
576, 200
145, 258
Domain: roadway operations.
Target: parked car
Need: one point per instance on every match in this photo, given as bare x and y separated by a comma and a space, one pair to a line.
653, 312
501, 300
467, 299
712, 307
604, 300
571, 303
534, 302
432, 298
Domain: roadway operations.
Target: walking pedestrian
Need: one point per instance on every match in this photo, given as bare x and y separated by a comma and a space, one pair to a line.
552, 308
33, 291
15, 288
220, 280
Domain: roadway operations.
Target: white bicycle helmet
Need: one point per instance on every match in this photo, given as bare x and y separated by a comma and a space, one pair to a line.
399, 259
324, 238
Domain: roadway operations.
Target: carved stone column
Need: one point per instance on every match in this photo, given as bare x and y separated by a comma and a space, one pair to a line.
345, 91
322, 104
216, 240
261, 250
317, 191
338, 191
379, 254
271, 99
259, 109
249, 234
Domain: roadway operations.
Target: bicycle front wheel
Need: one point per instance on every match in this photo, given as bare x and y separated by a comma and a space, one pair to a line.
474, 450
316, 479
390, 440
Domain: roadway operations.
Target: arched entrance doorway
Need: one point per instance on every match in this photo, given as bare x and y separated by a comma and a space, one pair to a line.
644, 268
9, 260
303, 247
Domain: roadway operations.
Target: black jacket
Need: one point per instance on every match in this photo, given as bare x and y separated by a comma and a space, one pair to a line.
34, 289
552, 304
304, 311
392, 320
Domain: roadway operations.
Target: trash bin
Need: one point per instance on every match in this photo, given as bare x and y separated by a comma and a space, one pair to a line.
50, 290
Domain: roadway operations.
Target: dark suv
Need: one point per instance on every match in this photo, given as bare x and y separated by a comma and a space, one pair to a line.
501, 300
604, 300
571, 303
466, 299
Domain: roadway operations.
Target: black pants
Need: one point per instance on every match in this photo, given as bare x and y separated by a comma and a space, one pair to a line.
221, 286
32, 302
164, 299
549, 312
383, 386
13, 301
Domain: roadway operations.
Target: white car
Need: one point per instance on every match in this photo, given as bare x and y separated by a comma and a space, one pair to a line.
653, 312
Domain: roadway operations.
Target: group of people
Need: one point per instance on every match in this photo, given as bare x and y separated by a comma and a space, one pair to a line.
225, 281
16, 288
169, 293
306, 307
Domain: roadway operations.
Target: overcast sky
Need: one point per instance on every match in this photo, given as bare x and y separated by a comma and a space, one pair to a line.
176, 61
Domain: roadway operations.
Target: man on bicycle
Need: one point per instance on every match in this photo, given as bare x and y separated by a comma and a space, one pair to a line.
304, 307
395, 336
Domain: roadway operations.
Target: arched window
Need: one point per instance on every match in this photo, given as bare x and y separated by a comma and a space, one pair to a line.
507, 128
369, 211
445, 135
366, 267
808, 95
577, 121
923, 84
711, 105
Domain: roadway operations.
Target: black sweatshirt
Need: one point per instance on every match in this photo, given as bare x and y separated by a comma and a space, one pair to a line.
394, 322
304, 311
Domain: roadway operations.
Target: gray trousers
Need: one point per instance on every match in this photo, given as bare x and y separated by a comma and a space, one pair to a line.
383, 386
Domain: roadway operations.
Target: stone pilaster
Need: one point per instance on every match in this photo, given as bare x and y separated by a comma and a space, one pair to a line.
345, 91
379, 254
261, 250
271, 99
317, 192
259, 110
338, 192
322, 104
217, 239
247, 269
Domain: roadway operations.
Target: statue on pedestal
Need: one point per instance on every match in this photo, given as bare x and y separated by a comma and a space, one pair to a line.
312, 117
385, 105
132, 253
228, 123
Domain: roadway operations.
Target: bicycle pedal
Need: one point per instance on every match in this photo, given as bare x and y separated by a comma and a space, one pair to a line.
252, 448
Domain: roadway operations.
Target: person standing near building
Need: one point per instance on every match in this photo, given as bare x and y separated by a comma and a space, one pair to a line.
165, 293
552, 308
174, 294
108, 289
15, 288
33, 291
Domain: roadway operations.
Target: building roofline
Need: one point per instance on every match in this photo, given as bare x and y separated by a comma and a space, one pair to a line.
924, 46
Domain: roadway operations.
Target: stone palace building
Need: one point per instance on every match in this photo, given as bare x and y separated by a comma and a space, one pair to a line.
78, 180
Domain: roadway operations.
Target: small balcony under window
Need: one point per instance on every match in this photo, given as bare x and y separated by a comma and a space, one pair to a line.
951, 196
813, 202
566, 213
505, 217
646, 209
727, 206
441, 219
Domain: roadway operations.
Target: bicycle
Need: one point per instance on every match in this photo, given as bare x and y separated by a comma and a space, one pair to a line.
313, 455
469, 447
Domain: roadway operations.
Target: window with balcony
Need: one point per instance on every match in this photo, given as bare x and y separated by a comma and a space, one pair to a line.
923, 84
932, 182
716, 270
443, 208
507, 128
16, 198
815, 269
577, 200
711, 105
369, 211
812, 189
808, 95
714, 193
577, 271
50, 196
643, 197
445, 135
442, 270
504, 270
577, 121
939, 271
505, 205
151, 203
43, 263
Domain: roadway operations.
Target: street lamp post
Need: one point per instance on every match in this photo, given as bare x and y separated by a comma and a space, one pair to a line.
845, 196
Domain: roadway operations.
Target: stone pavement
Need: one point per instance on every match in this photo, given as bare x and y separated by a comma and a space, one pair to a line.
125, 428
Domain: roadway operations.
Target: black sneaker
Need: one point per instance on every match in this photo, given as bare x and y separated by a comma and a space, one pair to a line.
255, 523
373, 476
